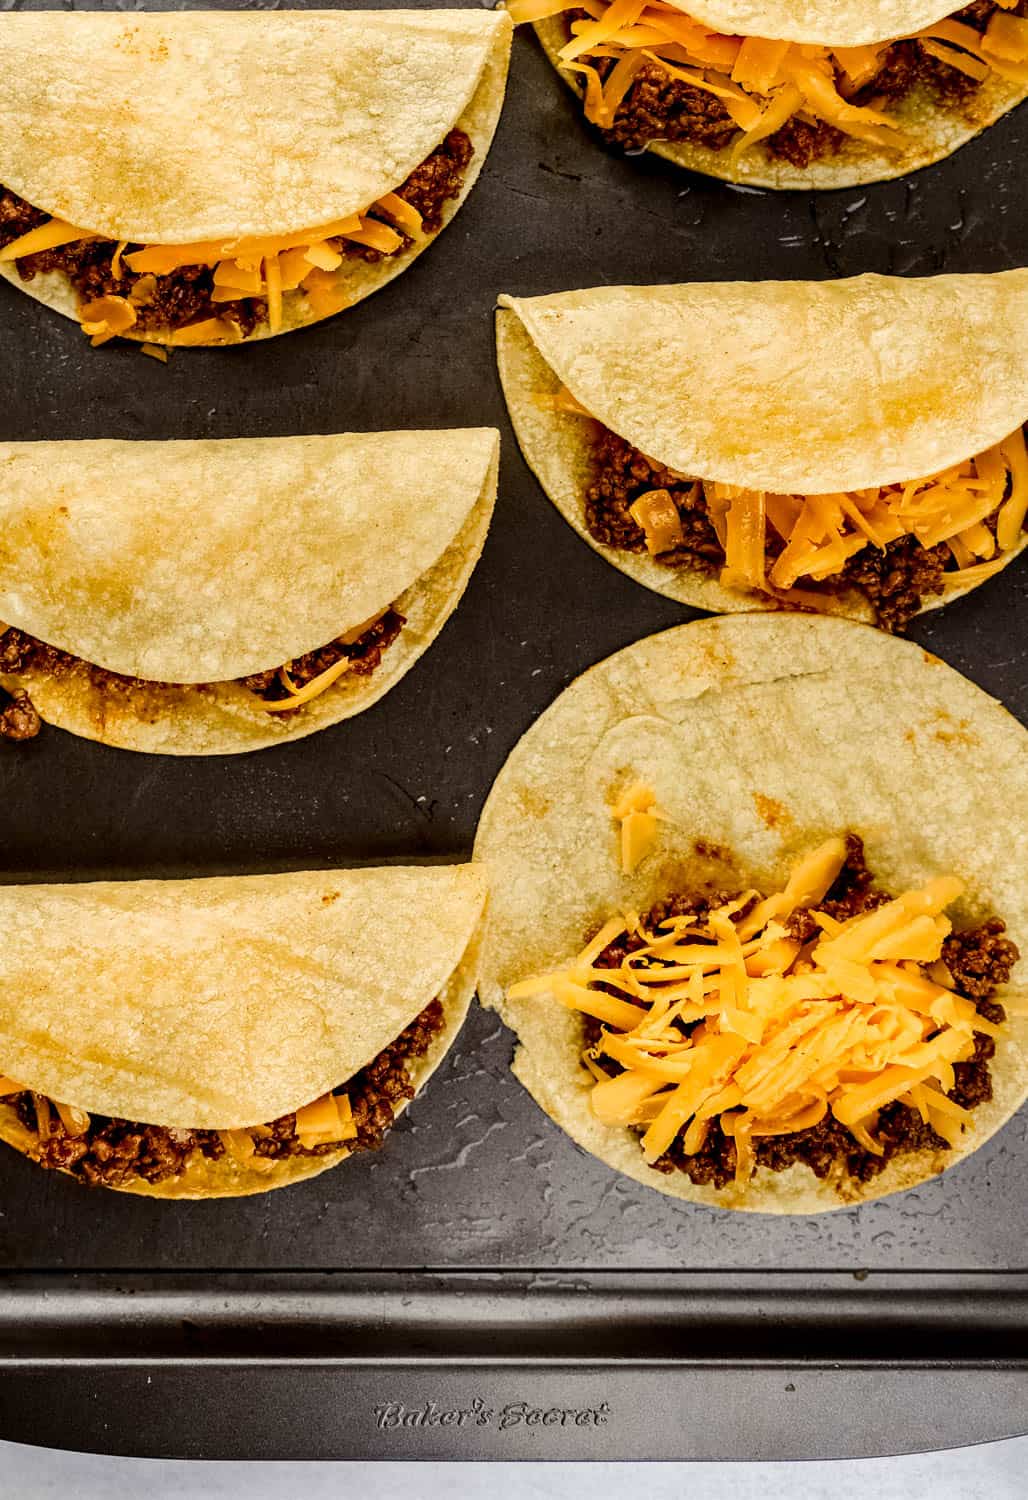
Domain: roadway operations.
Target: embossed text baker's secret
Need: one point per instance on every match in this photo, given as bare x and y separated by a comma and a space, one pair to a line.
394, 1414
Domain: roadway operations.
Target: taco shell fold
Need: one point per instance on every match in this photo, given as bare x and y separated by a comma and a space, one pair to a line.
788, 387
759, 737
167, 129
191, 564
225, 1003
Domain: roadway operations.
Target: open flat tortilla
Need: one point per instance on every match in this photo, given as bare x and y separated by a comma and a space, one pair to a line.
760, 736
172, 128
795, 387
936, 131
225, 1003
191, 564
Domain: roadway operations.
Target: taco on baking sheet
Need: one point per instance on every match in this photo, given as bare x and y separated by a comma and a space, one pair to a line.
217, 176
213, 596
214, 1037
825, 94
758, 889
853, 446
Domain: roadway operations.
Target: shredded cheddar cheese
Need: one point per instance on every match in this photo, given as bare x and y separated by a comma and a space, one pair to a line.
265, 266
48, 236
239, 1144
819, 533
760, 82
658, 516
326, 1119
730, 1017
634, 812
106, 317
313, 689
75, 1121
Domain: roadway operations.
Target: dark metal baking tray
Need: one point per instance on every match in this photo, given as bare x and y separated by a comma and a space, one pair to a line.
481, 1262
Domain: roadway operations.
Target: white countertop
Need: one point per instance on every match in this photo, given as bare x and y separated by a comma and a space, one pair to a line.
996, 1471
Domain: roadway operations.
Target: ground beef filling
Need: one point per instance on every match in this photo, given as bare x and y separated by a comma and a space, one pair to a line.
661, 108
896, 579
186, 295
980, 960
19, 718
112, 1152
20, 652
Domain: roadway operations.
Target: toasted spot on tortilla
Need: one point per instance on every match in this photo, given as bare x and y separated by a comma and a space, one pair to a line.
772, 812
718, 852
535, 804
950, 731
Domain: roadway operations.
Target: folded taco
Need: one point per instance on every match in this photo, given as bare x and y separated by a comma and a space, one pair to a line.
212, 596
209, 1038
218, 176
855, 446
821, 95
758, 905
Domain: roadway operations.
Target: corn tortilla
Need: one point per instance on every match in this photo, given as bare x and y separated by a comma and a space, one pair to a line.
225, 1003
191, 564
741, 383
760, 736
176, 128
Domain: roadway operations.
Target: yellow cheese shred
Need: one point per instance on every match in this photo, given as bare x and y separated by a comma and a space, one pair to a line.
273, 279
727, 1016
48, 236
239, 1144
761, 82
658, 516
105, 317
639, 823
75, 1121
313, 689
326, 1119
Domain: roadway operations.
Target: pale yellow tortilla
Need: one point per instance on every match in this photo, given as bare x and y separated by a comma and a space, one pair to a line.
792, 387
936, 130
825, 23
199, 562
760, 736
201, 125
229, 1000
